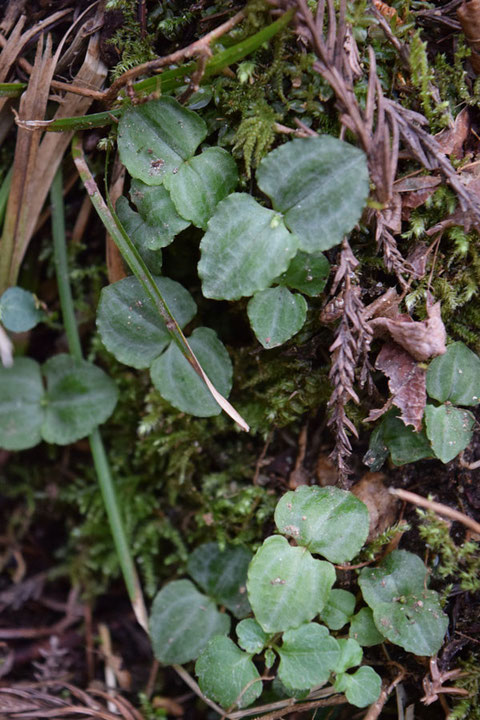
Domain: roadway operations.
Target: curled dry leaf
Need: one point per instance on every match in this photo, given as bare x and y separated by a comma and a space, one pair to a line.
407, 383
382, 511
423, 340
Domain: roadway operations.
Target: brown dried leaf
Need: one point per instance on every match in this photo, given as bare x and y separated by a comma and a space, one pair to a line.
407, 383
418, 259
452, 139
381, 505
423, 340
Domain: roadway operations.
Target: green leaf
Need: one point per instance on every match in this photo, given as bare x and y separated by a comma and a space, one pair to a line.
286, 586
129, 323
449, 430
251, 636
21, 413
18, 310
404, 610
361, 688
222, 574
182, 621
307, 272
320, 184
415, 622
179, 384
140, 233
330, 521
244, 249
201, 183
405, 445
307, 656
276, 315
363, 628
156, 137
339, 608
351, 655
79, 397
401, 573
228, 675
161, 221
455, 376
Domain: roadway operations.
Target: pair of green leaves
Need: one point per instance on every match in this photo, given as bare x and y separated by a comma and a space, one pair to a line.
132, 329
77, 398
183, 619
452, 379
318, 188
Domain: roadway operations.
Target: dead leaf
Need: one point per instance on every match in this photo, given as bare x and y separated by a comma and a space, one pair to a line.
418, 259
407, 384
452, 139
326, 471
423, 340
382, 511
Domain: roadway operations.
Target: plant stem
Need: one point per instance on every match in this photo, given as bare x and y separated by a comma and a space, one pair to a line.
100, 459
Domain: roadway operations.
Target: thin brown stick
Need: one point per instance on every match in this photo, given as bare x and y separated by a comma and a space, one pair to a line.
438, 508
198, 47
304, 707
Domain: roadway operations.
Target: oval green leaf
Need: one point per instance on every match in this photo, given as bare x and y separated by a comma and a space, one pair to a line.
21, 412
338, 610
201, 183
182, 621
251, 636
307, 272
320, 184
405, 445
222, 574
275, 315
129, 323
361, 688
286, 586
244, 249
156, 137
18, 310
449, 430
350, 655
329, 521
415, 622
401, 573
363, 628
161, 221
228, 675
455, 376
179, 384
140, 233
79, 397
307, 657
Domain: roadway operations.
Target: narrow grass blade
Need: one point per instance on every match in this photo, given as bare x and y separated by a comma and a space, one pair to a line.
140, 270
99, 455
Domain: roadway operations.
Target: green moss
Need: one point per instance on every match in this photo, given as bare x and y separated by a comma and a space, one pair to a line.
461, 562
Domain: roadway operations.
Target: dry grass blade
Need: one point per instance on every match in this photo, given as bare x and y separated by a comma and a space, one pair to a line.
25, 204
30, 703
24, 180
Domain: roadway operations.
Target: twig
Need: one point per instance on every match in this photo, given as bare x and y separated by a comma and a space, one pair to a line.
197, 48
196, 689
438, 508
